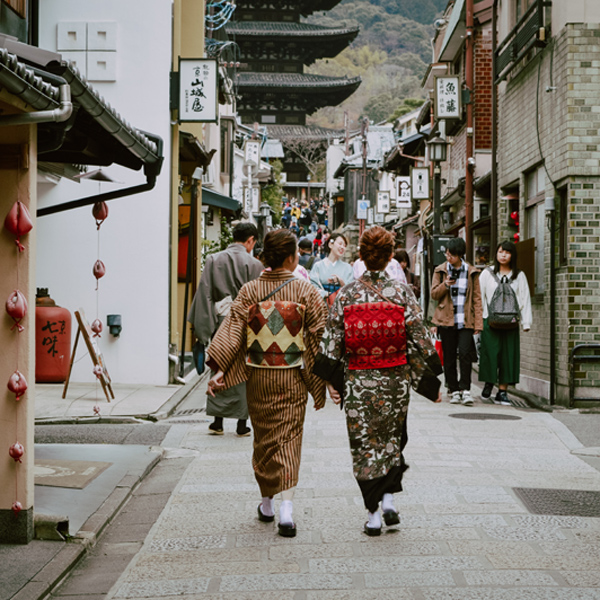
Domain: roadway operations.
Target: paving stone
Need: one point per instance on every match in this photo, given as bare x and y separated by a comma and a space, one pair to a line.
582, 578
413, 579
160, 589
191, 543
417, 533
486, 593
395, 594
232, 583
509, 577
386, 564
295, 552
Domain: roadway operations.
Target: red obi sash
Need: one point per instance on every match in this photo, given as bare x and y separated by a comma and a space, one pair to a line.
375, 335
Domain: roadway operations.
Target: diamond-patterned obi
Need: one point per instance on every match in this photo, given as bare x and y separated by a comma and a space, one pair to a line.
275, 335
375, 335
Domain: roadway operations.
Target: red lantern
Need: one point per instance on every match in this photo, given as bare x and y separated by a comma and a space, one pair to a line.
16, 451
17, 384
96, 327
514, 215
99, 269
16, 307
18, 222
100, 213
97, 409
516, 237
17, 507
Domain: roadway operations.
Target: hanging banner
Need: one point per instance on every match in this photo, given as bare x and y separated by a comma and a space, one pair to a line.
403, 199
370, 216
255, 200
252, 153
447, 97
383, 202
198, 90
419, 183
247, 201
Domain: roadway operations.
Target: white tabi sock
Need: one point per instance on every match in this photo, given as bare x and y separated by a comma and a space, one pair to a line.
266, 506
387, 503
374, 520
285, 512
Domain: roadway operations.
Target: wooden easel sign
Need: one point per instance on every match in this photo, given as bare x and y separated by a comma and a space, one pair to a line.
84, 329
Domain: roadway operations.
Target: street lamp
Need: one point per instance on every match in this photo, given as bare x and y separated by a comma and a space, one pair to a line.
265, 213
308, 189
437, 154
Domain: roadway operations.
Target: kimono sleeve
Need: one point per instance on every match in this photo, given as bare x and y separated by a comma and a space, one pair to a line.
424, 361
329, 364
202, 314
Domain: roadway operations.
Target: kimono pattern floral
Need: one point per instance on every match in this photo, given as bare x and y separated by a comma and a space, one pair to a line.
376, 400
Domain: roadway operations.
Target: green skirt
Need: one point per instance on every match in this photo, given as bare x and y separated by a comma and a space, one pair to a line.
499, 355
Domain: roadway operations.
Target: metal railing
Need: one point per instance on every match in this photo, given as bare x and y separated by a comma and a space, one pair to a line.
529, 32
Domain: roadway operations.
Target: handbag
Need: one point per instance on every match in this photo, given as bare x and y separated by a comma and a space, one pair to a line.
199, 356
275, 333
439, 350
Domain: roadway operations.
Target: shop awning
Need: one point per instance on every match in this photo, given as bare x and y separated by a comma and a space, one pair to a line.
455, 33
212, 198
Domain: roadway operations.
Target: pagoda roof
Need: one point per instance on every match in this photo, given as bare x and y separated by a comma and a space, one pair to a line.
311, 132
283, 29
305, 7
287, 82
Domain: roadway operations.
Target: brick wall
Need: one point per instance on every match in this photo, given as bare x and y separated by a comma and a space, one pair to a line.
482, 108
553, 103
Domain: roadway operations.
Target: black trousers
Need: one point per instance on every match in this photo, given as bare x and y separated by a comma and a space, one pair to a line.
457, 341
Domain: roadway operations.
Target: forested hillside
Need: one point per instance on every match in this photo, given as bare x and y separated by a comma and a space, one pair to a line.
391, 54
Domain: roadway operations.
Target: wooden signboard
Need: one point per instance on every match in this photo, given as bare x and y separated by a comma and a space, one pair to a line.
84, 329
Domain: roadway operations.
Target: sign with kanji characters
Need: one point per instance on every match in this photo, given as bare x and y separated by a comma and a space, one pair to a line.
255, 200
252, 153
447, 97
370, 216
247, 201
419, 183
198, 90
383, 202
403, 199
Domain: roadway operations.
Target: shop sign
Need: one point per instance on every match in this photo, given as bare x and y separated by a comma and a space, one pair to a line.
383, 202
419, 183
447, 97
198, 90
403, 199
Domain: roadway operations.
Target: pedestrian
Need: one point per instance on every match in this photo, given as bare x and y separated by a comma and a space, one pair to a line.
305, 250
393, 270
279, 380
375, 347
223, 275
499, 350
412, 280
332, 273
458, 316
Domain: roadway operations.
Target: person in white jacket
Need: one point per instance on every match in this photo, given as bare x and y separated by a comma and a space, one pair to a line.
499, 353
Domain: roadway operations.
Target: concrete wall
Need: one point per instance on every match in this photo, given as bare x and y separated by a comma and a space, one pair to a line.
134, 240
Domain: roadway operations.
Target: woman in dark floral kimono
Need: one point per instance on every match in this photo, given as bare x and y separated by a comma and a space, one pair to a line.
375, 347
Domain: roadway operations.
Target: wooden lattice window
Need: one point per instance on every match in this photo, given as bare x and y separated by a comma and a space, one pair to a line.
19, 6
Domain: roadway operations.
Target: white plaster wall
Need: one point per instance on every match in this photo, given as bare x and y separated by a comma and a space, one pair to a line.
134, 240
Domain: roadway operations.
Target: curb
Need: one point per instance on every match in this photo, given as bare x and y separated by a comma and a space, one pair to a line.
169, 407
76, 547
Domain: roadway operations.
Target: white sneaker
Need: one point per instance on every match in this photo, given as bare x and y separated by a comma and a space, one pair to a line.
455, 398
466, 398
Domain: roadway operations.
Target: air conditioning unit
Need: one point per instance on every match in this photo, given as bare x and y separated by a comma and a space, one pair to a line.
208, 178
481, 208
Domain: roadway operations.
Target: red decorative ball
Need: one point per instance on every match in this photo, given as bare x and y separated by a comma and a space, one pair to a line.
16, 451
516, 237
17, 507
514, 215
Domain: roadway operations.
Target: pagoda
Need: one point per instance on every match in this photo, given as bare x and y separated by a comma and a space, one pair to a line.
275, 46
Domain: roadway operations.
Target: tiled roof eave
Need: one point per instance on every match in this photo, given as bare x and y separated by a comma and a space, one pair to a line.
90, 100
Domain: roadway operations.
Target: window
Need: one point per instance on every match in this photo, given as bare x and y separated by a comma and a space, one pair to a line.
18, 6
268, 119
535, 220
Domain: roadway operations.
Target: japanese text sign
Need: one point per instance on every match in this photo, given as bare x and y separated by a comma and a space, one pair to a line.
419, 177
198, 90
447, 97
403, 199
383, 202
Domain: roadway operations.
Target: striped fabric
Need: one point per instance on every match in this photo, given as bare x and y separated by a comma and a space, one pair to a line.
276, 397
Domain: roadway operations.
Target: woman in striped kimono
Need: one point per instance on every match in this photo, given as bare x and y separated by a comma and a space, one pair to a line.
270, 340
374, 349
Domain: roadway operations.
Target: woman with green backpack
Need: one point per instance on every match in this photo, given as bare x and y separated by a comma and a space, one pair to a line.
506, 307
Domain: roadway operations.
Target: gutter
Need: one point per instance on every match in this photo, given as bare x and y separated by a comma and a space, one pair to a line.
150, 170
56, 115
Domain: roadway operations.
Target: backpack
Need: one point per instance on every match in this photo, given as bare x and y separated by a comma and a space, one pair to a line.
503, 309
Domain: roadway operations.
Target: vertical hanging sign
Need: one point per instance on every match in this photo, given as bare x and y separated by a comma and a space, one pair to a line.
198, 90
419, 179
447, 97
403, 199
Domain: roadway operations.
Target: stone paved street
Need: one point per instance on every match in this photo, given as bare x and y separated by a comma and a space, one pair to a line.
464, 533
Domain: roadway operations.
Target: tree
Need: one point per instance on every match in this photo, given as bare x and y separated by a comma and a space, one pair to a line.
273, 193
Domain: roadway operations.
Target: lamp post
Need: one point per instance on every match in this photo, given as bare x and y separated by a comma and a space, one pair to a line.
265, 213
437, 154
308, 189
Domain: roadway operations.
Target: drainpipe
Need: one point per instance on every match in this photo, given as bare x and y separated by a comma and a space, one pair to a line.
494, 179
469, 156
57, 115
